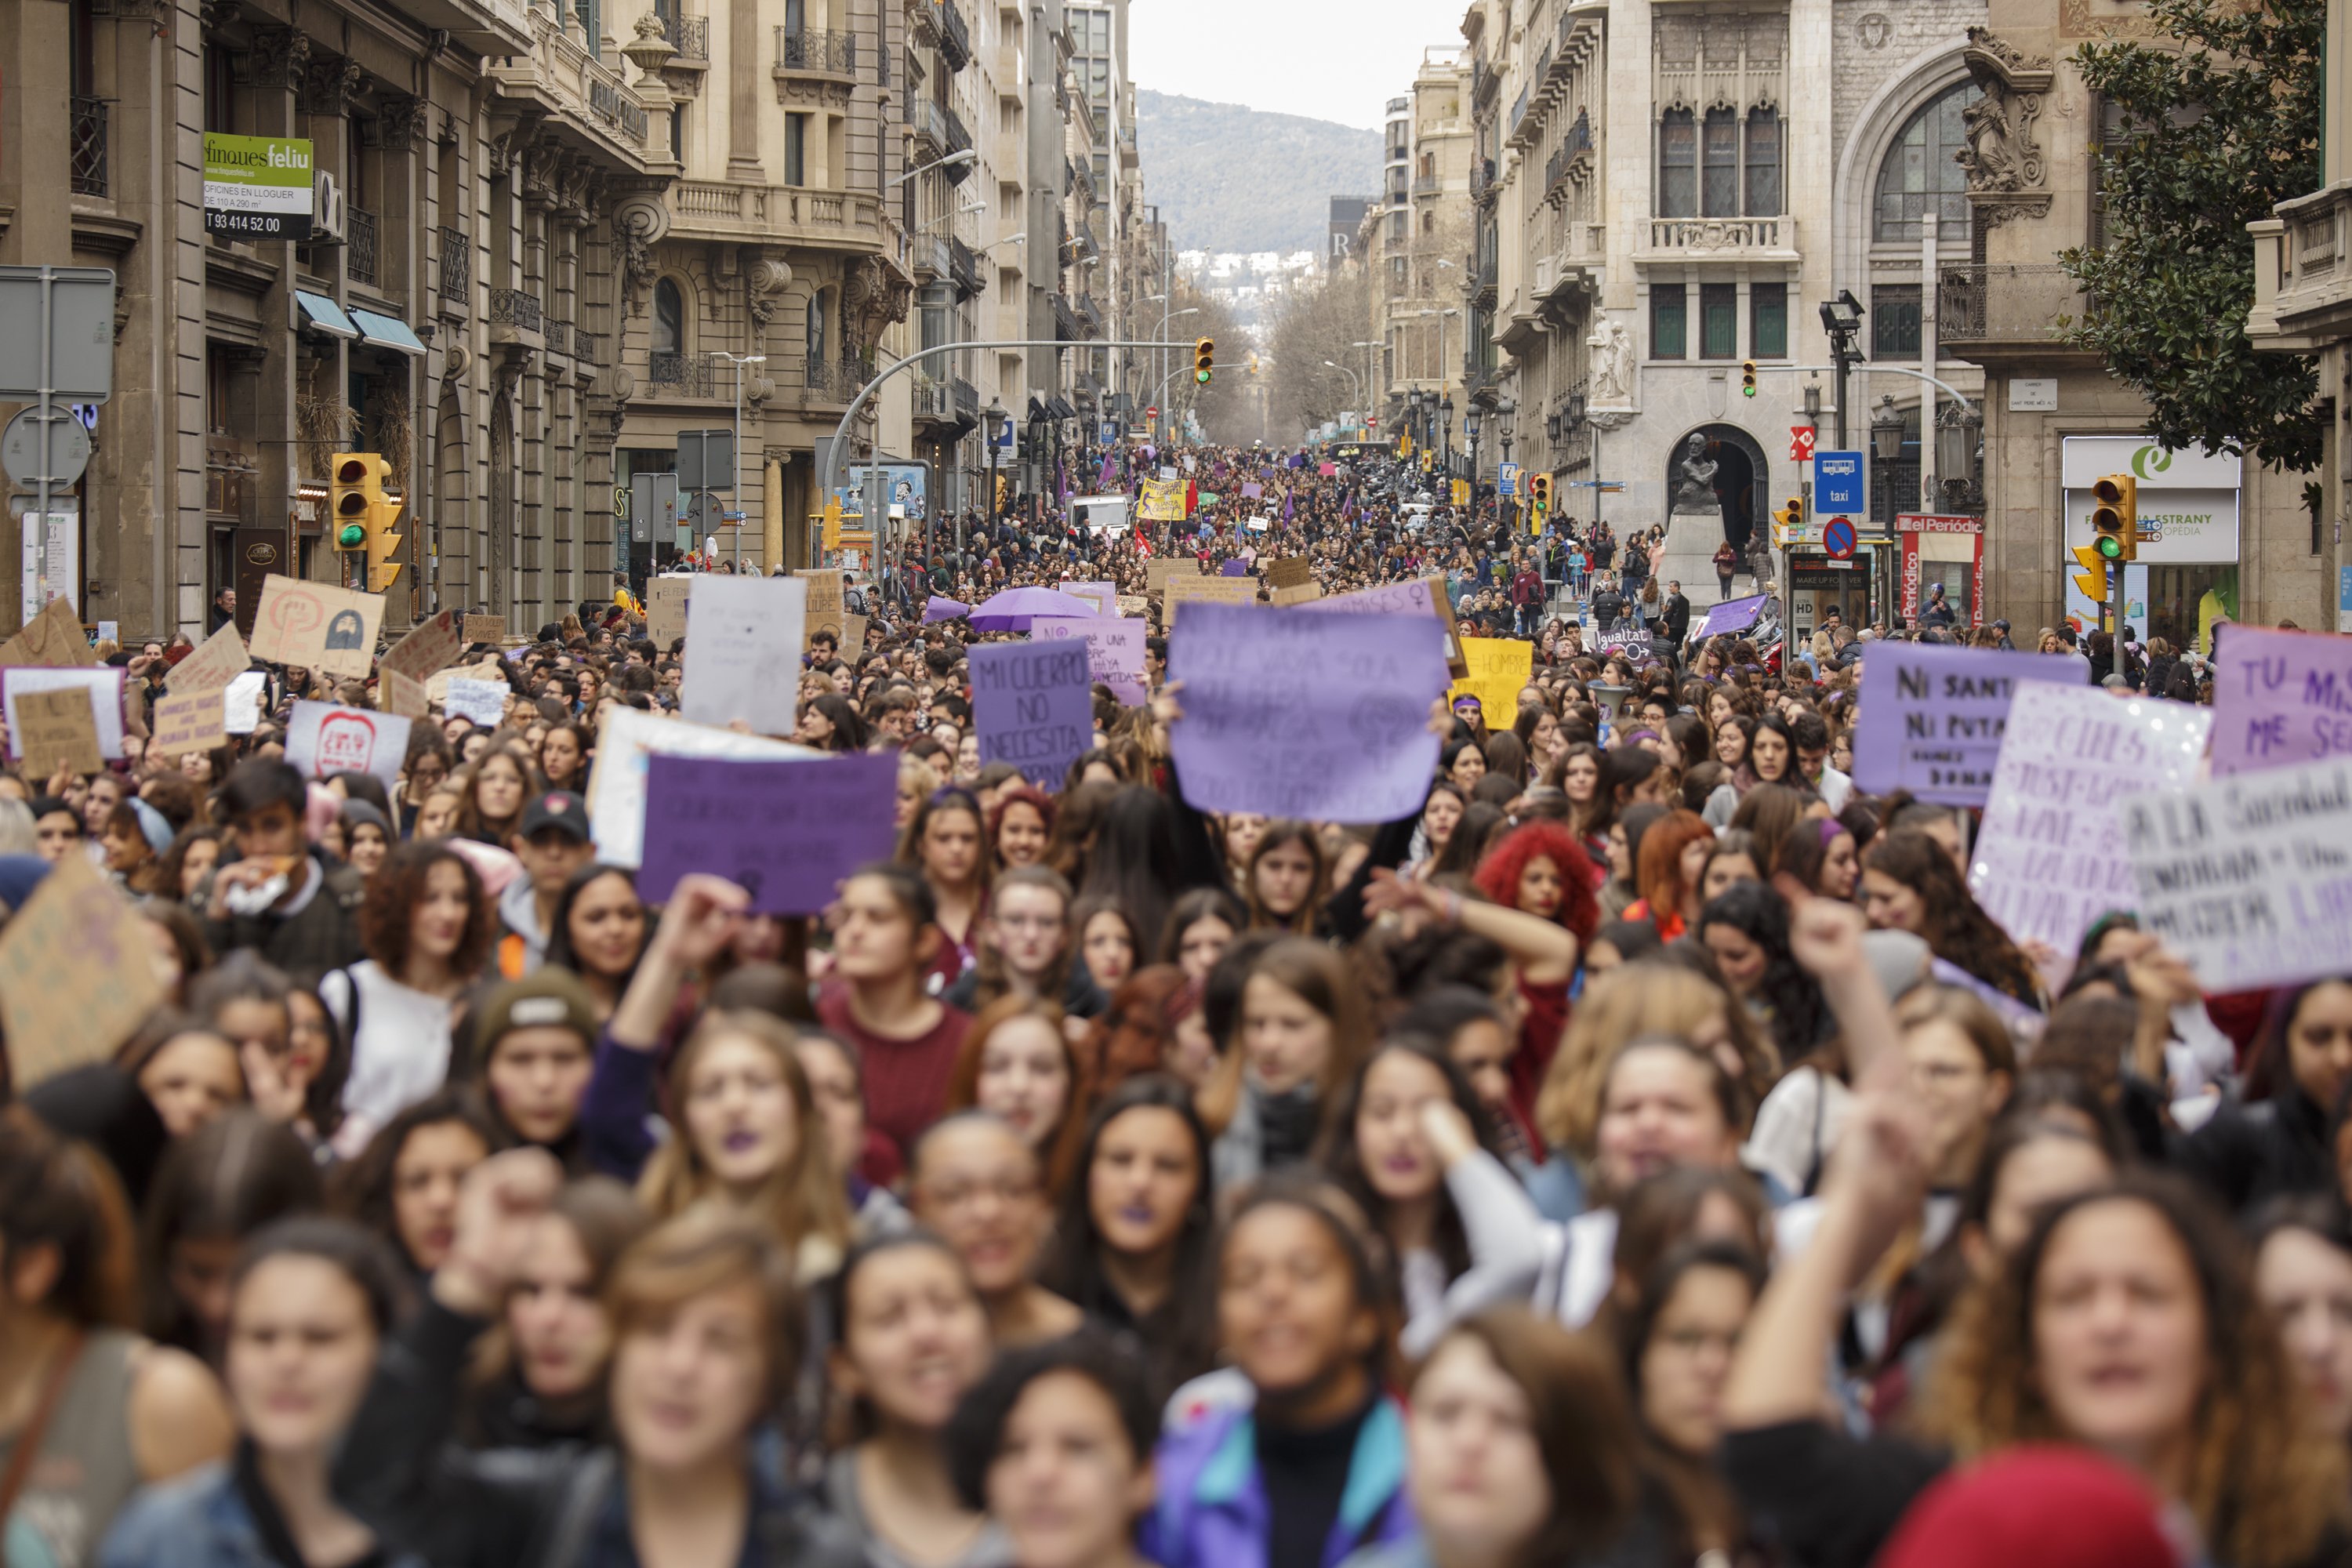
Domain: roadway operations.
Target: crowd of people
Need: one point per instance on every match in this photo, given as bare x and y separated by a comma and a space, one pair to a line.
1647, 1153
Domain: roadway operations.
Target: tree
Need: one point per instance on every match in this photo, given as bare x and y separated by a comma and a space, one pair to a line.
1227, 410
2221, 122
1316, 331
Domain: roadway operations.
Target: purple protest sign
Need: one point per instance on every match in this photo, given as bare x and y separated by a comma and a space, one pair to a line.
2280, 698
786, 832
1308, 715
1033, 705
1933, 717
1114, 649
1733, 616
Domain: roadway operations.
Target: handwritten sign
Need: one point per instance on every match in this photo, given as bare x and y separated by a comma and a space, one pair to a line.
242, 700
324, 738
50, 640
1288, 572
1160, 568
102, 687
1103, 597
485, 629
1033, 705
189, 722
627, 741
1303, 594
1933, 718
430, 648
2249, 877
1293, 713
826, 608
744, 660
317, 626
220, 659
74, 924
1114, 649
1631, 643
2280, 698
55, 730
666, 610
1133, 604
1499, 667
785, 832
1220, 589
1163, 502
2051, 857
1418, 597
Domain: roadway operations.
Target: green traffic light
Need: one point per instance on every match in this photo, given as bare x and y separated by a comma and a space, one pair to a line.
352, 537
2110, 546
1201, 377
1747, 390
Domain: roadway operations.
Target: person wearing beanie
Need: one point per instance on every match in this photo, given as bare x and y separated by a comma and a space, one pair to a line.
368, 835
534, 1050
2042, 1506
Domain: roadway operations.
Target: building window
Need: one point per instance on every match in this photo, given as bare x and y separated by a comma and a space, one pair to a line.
677, 131
1677, 165
1669, 326
815, 334
1718, 321
1768, 321
1719, 147
1894, 320
1396, 227
669, 318
1920, 176
1763, 163
796, 149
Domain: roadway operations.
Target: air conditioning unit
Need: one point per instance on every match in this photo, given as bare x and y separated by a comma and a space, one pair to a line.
329, 218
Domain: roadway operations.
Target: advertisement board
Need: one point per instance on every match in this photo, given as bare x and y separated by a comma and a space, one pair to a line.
257, 188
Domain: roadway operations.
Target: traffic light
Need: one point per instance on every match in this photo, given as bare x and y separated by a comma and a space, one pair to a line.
1790, 516
1539, 492
2092, 580
1253, 364
1747, 378
364, 515
1204, 359
382, 570
2115, 516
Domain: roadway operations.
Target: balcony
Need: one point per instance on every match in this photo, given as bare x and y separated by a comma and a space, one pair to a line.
1090, 317
1483, 83
691, 36
1482, 284
937, 398
89, 145
1720, 239
559, 79
514, 313
587, 347
2303, 273
816, 51
1984, 310
837, 220
677, 374
1424, 184
931, 257
1066, 320
965, 397
964, 267
940, 133
360, 247
1519, 118
1003, 62
1482, 179
955, 40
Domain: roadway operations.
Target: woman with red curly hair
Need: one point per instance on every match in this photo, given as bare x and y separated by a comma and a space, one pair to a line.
1667, 871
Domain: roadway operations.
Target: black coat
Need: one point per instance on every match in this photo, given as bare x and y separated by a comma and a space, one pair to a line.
2246, 1153
1675, 620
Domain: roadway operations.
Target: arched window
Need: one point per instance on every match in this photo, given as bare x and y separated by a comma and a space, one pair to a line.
1920, 175
669, 318
1677, 165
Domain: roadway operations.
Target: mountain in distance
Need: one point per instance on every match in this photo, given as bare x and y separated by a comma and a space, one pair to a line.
1235, 179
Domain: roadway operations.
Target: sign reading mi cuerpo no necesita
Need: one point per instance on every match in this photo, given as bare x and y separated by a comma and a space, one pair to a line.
257, 188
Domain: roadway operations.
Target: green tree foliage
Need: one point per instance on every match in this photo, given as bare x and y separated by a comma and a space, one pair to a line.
2221, 122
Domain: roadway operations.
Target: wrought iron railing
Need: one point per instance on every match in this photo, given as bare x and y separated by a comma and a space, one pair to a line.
2013, 303
587, 347
457, 267
689, 36
955, 40
89, 152
514, 308
816, 50
359, 247
687, 375
963, 266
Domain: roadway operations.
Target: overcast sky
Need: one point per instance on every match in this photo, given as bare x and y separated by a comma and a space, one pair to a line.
1323, 58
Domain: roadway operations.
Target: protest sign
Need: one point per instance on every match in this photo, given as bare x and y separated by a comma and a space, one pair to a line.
616, 784
325, 738
431, 647
852, 634
825, 605
1163, 502
241, 702
77, 974
1419, 596
53, 730
1626, 642
785, 832
490, 668
1160, 568
1933, 717
2050, 857
485, 629
1304, 593
1298, 714
1134, 605
1114, 649
666, 610
103, 687
1733, 616
317, 626
744, 660
1499, 667
1236, 590
50, 640
1103, 597
2249, 877
220, 659
1288, 572
189, 722
1033, 705
2279, 697
483, 702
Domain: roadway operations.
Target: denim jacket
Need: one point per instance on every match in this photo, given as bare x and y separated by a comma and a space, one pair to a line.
197, 1520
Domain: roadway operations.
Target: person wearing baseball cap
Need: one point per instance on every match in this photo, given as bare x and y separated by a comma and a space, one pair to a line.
552, 840
535, 1049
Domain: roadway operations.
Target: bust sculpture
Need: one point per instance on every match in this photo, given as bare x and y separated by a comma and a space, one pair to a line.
1695, 492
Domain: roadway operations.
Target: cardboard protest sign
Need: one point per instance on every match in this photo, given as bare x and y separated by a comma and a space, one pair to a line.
241, 700
437, 688
1316, 716
53, 730
744, 660
1133, 604
1933, 717
1421, 597
666, 610
2050, 857
484, 629
103, 691
482, 701
1629, 642
1033, 705
1103, 597
50, 640
2249, 877
1288, 572
76, 925
1160, 568
189, 722
1114, 649
1303, 594
1499, 667
325, 738
785, 832
852, 633
617, 786
219, 659
827, 607
316, 626
1218, 590
431, 647
2280, 698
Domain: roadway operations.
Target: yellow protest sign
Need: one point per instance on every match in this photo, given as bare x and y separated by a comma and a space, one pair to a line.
1499, 667
1163, 500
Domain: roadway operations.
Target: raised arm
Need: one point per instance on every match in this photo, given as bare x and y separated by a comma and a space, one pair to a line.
1545, 952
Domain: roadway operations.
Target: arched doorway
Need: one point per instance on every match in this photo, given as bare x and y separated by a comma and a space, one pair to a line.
1740, 477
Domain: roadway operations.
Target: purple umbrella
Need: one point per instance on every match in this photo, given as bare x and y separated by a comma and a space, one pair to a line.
941, 609
1013, 609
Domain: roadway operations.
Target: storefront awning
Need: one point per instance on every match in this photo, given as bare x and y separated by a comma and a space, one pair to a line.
322, 315
387, 332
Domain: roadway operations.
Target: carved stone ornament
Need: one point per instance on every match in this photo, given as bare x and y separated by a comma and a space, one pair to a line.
766, 282
639, 221
873, 298
215, 14
332, 86
1873, 29
2005, 166
401, 122
280, 57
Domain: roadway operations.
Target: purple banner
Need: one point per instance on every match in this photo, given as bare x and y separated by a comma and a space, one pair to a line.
1733, 616
2280, 698
1114, 649
786, 832
1933, 717
1316, 716
1033, 705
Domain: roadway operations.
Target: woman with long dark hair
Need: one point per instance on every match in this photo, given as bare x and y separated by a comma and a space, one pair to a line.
945, 844
599, 932
1909, 883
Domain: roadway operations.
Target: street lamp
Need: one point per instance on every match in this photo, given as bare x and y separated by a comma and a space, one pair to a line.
1842, 320
991, 430
969, 155
735, 481
1470, 422
1886, 429
1445, 430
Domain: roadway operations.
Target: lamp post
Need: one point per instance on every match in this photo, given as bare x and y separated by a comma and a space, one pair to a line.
742, 514
1355, 383
1842, 320
1445, 433
1506, 412
992, 428
1371, 382
1470, 428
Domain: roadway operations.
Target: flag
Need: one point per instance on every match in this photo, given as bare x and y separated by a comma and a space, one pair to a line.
1290, 505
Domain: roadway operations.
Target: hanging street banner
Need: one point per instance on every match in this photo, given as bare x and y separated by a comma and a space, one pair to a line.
257, 188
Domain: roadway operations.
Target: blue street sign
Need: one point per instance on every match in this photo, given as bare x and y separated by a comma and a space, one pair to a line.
1507, 479
1837, 482
1837, 539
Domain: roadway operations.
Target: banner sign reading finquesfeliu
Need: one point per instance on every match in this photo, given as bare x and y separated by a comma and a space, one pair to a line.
257, 188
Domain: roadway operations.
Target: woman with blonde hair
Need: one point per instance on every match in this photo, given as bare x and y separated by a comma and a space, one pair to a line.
1649, 997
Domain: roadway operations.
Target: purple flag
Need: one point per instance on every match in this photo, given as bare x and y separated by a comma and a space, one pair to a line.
1109, 473
785, 832
1289, 506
